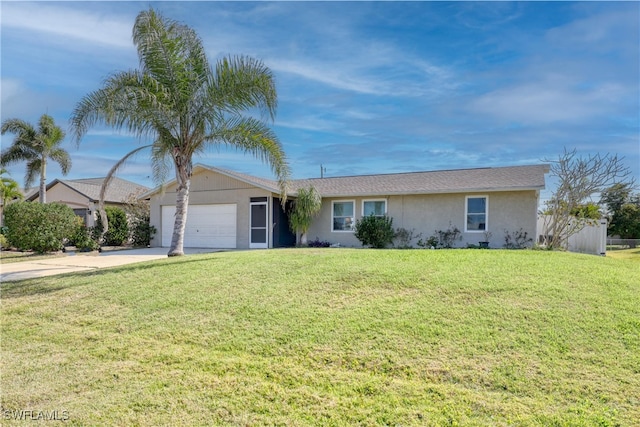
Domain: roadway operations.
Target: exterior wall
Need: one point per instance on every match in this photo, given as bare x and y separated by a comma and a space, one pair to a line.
426, 213
208, 188
62, 194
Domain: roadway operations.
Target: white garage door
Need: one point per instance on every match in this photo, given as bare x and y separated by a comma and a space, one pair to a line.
208, 226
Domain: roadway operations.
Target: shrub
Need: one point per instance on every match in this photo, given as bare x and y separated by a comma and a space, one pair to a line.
518, 240
404, 237
142, 232
37, 226
138, 213
317, 243
375, 231
4, 242
82, 238
118, 231
431, 242
447, 238
443, 238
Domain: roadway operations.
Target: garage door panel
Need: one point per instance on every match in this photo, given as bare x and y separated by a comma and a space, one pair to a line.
208, 226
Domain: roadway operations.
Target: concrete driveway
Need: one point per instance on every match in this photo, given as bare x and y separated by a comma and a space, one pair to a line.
75, 262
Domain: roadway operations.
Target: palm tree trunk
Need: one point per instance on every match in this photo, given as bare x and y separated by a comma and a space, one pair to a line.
303, 239
43, 180
183, 175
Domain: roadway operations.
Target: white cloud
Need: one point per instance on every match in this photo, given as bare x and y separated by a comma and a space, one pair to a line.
546, 101
66, 23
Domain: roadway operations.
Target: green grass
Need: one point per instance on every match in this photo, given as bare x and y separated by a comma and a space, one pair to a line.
7, 257
330, 337
632, 254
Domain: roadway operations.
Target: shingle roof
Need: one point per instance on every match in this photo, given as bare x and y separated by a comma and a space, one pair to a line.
510, 178
117, 191
430, 182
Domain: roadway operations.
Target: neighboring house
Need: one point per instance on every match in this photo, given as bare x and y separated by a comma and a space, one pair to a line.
82, 195
234, 210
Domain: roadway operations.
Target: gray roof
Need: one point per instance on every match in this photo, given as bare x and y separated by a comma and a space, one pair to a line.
431, 182
117, 191
510, 178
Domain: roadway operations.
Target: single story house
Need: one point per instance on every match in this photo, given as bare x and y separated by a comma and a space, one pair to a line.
82, 195
228, 209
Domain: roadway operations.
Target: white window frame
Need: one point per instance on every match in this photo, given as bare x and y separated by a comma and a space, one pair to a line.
486, 213
373, 200
353, 203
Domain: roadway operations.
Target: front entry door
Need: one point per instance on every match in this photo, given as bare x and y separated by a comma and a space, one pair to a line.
258, 235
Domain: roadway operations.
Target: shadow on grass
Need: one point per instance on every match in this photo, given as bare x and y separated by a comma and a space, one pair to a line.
50, 284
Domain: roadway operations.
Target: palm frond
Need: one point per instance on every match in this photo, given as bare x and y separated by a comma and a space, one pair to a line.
107, 180
33, 171
242, 83
160, 166
254, 137
62, 158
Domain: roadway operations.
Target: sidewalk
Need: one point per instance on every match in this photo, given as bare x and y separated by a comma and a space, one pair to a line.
75, 262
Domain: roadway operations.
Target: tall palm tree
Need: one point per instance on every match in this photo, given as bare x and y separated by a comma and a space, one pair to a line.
36, 147
185, 106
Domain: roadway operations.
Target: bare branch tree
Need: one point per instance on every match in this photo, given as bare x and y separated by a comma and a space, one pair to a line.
579, 178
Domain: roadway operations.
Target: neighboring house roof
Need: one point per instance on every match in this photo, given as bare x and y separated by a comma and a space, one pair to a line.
117, 191
510, 178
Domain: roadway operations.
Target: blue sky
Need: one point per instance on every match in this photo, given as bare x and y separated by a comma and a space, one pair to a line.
364, 87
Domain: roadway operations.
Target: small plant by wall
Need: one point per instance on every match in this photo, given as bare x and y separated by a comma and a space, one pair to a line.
375, 231
444, 239
404, 237
430, 243
317, 243
517, 240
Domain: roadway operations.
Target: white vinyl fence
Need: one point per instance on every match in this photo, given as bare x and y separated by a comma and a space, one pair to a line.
592, 239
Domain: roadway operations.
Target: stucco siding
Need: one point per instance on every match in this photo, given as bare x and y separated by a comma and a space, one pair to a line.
427, 213
62, 194
210, 188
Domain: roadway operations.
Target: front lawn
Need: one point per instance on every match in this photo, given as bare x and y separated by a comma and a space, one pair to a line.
329, 337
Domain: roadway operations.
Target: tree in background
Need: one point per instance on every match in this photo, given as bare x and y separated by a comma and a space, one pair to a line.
36, 147
624, 210
9, 188
579, 179
139, 215
305, 207
186, 106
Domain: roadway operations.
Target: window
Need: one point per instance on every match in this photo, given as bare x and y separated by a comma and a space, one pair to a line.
342, 215
374, 207
476, 213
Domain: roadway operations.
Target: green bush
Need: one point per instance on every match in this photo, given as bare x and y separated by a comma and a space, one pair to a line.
4, 243
118, 232
82, 238
375, 231
38, 227
142, 232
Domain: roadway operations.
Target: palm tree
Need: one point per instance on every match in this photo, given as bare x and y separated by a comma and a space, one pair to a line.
9, 188
185, 106
36, 147
306, 206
